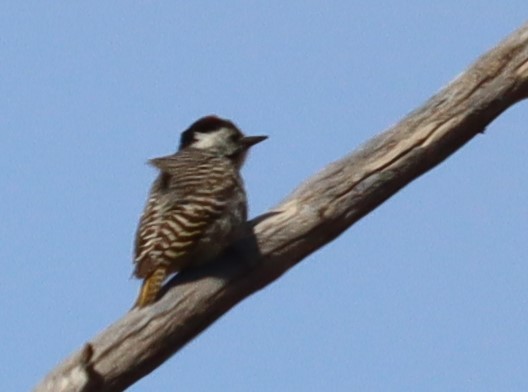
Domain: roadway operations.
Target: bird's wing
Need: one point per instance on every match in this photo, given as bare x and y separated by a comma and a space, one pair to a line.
181, 207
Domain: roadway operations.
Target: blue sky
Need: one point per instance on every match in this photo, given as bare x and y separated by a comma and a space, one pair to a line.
427, 293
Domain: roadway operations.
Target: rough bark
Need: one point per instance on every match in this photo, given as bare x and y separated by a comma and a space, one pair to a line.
314, 214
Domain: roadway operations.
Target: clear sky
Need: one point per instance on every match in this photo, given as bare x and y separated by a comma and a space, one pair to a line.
427, 293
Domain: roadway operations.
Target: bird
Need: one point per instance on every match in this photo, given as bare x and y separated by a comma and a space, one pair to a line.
197, 206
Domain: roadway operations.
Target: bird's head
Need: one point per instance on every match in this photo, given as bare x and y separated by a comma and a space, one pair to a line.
219, 136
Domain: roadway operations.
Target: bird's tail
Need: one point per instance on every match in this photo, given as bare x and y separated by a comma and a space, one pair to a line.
151, 287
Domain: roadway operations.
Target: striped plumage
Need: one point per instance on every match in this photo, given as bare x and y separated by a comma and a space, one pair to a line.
196, 206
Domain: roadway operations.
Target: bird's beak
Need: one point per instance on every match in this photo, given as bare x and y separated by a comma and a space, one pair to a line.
249, 141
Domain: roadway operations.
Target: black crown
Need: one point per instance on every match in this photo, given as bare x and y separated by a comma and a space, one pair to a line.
205, 124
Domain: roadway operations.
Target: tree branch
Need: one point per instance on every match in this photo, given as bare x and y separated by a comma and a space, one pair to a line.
316, 213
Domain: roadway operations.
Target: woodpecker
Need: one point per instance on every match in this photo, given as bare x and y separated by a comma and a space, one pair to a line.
197, 205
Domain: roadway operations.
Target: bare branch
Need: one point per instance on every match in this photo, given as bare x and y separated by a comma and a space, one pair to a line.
317, 212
